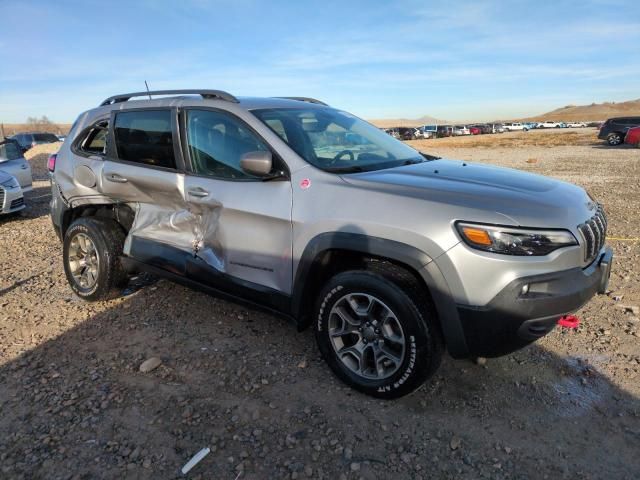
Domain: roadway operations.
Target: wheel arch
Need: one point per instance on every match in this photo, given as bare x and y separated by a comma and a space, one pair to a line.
123, 214
331, 253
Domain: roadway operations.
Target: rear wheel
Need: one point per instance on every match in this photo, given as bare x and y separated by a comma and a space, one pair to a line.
614, 139
375, 335
91, 255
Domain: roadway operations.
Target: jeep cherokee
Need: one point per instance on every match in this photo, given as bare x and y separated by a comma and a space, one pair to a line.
305, 210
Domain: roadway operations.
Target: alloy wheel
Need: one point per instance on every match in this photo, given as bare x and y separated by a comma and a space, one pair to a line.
366, 336
84, 263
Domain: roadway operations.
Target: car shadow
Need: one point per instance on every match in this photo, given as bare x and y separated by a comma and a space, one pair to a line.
246, 385
624, 146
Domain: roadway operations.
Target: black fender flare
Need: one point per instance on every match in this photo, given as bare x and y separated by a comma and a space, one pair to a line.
398, 252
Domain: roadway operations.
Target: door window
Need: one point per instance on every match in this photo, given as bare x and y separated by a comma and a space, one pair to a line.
145, 136
217, 141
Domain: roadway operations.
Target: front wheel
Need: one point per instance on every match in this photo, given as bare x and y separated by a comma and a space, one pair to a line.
91, 253
375, 334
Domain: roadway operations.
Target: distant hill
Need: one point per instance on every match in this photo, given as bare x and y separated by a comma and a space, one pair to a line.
407, 122
593, 112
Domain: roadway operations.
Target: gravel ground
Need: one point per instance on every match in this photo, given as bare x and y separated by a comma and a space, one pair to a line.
75, 405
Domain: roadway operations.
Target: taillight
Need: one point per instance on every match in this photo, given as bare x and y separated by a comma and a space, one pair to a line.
51, 163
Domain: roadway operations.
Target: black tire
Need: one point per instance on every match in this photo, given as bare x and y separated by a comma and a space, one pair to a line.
108, 238
398, 290
614, 139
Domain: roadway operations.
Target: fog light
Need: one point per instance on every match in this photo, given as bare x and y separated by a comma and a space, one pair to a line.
525, 289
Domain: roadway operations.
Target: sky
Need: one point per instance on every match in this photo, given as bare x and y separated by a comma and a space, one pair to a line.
472, 60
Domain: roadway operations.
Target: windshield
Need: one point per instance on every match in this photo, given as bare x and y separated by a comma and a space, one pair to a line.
337, 141
9, 151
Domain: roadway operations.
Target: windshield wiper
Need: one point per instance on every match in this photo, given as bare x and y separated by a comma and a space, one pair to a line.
429, 158
350, 169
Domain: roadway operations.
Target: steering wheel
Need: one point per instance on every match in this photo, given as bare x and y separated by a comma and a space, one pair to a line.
341, 154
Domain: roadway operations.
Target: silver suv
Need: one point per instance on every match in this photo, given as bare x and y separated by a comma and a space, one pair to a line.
291, 205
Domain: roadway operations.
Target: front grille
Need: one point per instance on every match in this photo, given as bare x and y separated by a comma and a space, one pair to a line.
1, 198
594, 233
18, 202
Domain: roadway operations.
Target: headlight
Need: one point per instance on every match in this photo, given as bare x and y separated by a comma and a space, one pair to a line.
514, 241
11, 183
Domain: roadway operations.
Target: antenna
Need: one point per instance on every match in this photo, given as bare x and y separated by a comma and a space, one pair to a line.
148, 92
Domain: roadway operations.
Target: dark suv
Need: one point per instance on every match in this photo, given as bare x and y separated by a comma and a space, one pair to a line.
28, 140
614, 129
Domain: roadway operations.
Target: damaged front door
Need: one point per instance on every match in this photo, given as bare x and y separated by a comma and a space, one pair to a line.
243, 234
143, 170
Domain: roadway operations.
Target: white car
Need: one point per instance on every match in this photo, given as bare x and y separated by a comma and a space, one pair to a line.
461, 130
12, 161
510, 127
550, 124
11, 198
576, 125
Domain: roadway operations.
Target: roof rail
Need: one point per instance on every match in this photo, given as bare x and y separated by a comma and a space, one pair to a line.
222, 95
305, 99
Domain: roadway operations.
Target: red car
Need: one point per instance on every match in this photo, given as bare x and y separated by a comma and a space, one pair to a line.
633, 136
475, 130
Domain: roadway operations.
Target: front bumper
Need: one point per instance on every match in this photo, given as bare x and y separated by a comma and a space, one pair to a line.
519, 315
11, 200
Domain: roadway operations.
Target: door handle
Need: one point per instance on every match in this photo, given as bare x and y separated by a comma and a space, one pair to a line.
198, 192
114, 177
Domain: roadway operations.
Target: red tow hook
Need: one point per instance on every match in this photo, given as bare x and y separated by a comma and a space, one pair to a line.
569, 321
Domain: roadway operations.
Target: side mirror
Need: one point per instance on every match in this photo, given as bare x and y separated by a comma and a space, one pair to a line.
257, 163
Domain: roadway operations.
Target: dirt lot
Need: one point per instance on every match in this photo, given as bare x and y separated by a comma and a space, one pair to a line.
245, 384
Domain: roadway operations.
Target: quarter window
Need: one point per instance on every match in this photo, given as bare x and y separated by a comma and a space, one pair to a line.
95, 141
145, 137
217, 142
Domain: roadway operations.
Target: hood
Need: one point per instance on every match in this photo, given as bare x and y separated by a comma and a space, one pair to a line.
526, 199
4, 176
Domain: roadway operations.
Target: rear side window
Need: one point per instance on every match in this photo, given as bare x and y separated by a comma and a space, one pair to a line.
145, 137
9, 151
95, 140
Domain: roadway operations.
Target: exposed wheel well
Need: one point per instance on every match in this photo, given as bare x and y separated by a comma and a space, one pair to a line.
333, 261
121, 213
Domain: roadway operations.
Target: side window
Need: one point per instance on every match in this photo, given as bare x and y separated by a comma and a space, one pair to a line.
95, 141
145, 137
217, 142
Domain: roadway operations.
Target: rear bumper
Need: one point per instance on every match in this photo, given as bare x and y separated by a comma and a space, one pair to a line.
514, 318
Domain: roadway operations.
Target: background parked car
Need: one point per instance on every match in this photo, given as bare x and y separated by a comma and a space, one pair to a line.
576, 124
393, 132
428, 131
511, 127
407, 133
13, 162
31, 139
475, 130
614, 129
498, 128
633, 136
461, 130
444, 131
549, 124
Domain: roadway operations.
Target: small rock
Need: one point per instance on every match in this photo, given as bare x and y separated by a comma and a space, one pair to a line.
480, 361
150, 364
355, 467
455, 443
302, 364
